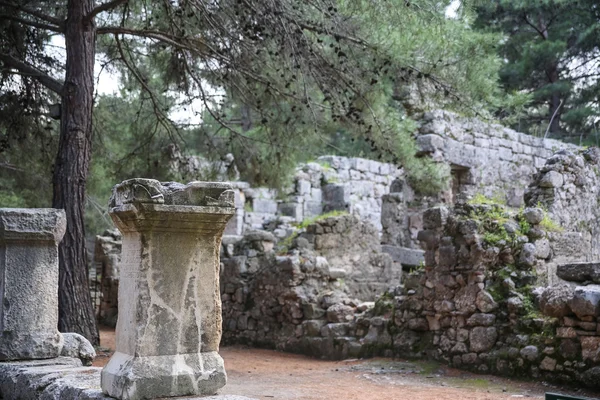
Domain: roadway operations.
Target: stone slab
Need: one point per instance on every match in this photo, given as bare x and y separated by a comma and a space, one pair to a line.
579, 272
61, 378
405, 255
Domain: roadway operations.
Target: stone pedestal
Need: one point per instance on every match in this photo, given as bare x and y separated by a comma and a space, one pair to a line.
169, 321
29, 282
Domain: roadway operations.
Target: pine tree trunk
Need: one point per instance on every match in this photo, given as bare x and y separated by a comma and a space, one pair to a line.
76, 313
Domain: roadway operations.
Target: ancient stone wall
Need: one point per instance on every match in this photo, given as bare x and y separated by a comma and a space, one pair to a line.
567, 186
474, 305
355, 185
486, 158
337, 262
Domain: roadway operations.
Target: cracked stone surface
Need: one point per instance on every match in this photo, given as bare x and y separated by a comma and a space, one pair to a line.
61, 378
29, 282
169, 324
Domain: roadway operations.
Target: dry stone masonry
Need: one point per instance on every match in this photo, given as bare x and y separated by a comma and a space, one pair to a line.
169, 324
267, 297
486, 158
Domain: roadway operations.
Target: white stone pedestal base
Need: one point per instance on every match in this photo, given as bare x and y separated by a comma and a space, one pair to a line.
128, 377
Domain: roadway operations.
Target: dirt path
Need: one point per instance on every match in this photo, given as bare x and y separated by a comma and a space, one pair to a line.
267, 374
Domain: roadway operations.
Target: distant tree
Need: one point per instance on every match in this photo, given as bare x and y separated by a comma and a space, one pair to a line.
551, 50
316, 57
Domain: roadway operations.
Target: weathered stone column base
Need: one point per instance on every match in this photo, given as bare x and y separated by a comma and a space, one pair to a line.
30, 346
135, 378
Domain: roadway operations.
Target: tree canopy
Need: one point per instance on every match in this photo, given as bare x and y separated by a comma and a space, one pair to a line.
551, 49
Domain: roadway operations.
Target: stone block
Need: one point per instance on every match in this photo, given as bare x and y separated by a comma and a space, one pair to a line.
360, 164
548, 364
303, 187
482, 339
551, 179
169, 325
264, 206
312, 209
430, 143
485, 302
28, 289
586, 301
404, 255
579, 272
479, 319
335, 197
294, 210
555, 300
313, 327
530, 353
590, 348
339, 313
435, 218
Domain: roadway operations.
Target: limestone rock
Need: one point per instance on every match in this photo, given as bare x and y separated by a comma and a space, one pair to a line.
551, 179
542, 248
435, 218
485, 302
515, 305
579, 272
527, 257
530, 353
586, 301
554, 301
339, 313
482, 339
75, 345
479, 319
548, 364
533, 215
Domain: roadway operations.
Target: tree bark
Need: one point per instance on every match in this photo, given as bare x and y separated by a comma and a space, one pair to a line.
76, 313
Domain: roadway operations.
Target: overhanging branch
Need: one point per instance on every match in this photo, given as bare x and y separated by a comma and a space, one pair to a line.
10, 62
35, 13
190, 44
35, 24
105, 7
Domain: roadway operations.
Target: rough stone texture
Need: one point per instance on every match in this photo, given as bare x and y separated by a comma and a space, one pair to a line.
29, 282
486, 158
573, 206
579, 272
586, 301
555, 300
309, 294
107, 253
169, 324
75, 345
405, 256
483, 339
60, 379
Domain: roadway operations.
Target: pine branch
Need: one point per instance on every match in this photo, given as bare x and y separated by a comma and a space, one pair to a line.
105, 7
38, 14
10, 62
181, 43
35, 24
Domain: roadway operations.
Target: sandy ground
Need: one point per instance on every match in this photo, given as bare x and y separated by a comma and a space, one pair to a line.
267, 374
